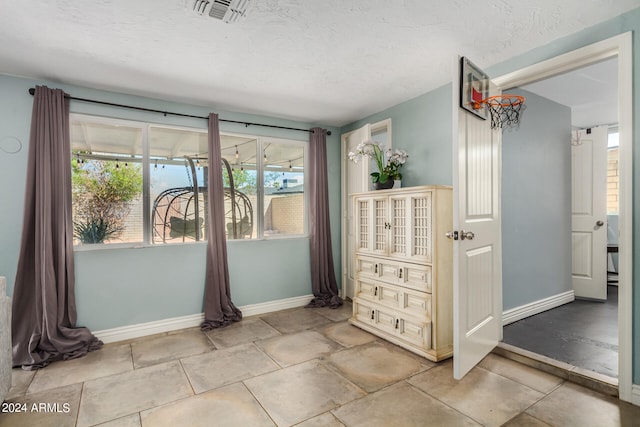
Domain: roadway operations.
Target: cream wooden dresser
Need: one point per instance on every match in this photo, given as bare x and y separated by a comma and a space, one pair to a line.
403, 268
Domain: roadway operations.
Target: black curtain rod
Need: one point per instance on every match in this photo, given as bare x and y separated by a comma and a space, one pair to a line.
32, 91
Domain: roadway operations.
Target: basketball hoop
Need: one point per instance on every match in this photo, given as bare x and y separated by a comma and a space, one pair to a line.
504, 109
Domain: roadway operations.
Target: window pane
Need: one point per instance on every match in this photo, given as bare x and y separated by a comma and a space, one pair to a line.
283, 189
177, 163
241, 198
106, 183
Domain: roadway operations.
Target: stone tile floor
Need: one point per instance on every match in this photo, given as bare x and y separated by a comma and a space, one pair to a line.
305, 367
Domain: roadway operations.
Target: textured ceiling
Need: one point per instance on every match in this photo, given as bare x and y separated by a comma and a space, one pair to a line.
329, 62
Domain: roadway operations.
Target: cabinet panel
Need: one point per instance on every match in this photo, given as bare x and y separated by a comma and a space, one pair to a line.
367, 267
363, 312
366, 290
418, 333
385, 319
417, 303
390, 296
416, 277
389, 271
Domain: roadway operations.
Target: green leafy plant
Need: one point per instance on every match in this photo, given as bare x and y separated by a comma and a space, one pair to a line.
95, 230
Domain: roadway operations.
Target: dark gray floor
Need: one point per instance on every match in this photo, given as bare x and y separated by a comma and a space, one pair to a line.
581, 333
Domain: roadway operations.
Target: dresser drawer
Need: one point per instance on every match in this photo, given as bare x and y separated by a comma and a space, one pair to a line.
416, 277
366, 267
367, 290
416, 332
417, 304
363, 311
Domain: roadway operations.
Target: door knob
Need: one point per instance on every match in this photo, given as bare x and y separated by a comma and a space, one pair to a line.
469, 235
452, 235
599, 223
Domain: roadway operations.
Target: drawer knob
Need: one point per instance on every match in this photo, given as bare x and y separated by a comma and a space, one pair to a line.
372, 314
375, 292
397, 322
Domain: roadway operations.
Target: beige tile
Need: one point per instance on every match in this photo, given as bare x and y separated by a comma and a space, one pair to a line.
106, 399
344, 312
376, 365
243, 332
537, 380
51, 408
295, 320
347, 334
20, 381
291, 349
109, 360
128, 421
325, 420
294, 394
524, 420
221, 367
169, 347
571, 404
488, 398
400, 405
232, 405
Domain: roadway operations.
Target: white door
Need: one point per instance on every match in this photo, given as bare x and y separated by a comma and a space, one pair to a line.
589, 213
477, 288
357, 180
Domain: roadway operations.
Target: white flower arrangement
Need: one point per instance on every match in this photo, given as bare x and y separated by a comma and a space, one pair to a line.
390, 169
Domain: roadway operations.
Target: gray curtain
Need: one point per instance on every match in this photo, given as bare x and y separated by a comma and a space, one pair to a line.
218, 309
323, 278
44, 309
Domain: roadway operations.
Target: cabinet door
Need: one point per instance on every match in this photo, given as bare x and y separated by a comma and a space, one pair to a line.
381, 225
363, 225
420, 241
399, 226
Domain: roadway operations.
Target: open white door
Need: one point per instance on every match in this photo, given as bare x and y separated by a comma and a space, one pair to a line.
589, 213
357, 180
477, 289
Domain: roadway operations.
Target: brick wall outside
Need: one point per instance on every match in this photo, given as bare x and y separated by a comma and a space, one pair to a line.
285, 214
613, 181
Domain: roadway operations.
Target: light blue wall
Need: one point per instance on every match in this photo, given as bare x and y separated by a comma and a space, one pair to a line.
423, 127
119, 287
536, 209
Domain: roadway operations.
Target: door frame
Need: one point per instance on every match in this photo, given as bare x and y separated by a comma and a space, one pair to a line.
619, 46
346, 162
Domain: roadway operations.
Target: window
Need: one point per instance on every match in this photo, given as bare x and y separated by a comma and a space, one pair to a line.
138, 183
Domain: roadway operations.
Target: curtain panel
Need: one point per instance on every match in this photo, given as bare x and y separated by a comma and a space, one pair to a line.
323, 278
218, 309
43, 323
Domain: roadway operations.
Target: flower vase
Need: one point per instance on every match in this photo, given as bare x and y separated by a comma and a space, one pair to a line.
397, 183
383, 185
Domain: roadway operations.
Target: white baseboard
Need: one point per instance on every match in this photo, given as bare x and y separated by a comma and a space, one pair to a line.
536, 307
193, 320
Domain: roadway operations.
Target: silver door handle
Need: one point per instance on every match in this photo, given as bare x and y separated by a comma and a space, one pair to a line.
469, 235
599, 223
452, 235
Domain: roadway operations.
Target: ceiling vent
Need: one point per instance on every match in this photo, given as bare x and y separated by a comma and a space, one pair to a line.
229, 11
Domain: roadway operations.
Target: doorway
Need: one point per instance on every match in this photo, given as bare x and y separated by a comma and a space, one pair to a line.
620, 48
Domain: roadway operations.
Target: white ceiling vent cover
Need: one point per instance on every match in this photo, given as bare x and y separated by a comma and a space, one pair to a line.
229, 11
